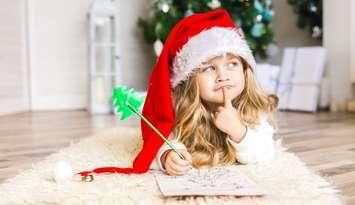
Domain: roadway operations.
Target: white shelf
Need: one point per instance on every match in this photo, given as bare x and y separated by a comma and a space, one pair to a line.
103, 47
103, 74
103, 44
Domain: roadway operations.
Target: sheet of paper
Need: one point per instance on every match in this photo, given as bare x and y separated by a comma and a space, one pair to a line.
228, 180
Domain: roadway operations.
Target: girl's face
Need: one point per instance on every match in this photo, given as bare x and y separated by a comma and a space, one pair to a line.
222, 71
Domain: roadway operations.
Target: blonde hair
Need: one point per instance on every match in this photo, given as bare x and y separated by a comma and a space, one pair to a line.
194, 126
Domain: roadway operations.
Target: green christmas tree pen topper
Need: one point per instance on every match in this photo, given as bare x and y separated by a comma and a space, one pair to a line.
127, 101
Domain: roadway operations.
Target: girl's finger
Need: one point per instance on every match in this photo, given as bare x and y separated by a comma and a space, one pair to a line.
178, 169
170, 171
174, 173
187, 155
177, 160
177, 166
226, 98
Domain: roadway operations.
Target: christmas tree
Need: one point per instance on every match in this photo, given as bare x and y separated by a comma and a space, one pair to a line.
252, 17
309, 15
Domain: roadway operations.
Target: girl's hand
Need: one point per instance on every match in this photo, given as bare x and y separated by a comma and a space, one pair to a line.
173, 164
226, 119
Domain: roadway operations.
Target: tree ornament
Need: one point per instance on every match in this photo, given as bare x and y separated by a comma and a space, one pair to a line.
164, 7
257, 30
268, 14
158, 47
309, 15
258, 6
188, 12
317, 32
214, 4
272, 50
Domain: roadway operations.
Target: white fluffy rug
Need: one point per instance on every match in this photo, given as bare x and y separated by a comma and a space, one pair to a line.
287, 180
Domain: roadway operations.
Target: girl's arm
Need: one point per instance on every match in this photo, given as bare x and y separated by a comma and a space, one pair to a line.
156, 163
257, 145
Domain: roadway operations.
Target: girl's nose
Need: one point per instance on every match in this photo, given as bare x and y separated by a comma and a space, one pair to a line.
221, 77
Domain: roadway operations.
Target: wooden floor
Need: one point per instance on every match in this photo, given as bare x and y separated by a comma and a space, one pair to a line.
325, 141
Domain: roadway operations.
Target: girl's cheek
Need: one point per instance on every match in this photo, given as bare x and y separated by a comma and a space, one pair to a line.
238, 80
207, 81
240, 84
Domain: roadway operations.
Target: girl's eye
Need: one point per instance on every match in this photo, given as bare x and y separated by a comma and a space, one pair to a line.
207, 69
232, 64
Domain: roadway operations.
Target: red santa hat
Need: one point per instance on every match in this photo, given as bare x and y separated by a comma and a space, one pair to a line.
193, 40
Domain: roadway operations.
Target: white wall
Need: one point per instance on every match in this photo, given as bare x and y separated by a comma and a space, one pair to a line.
137, 57
58, 53
336, 18
352, 41
13, 67
53, 73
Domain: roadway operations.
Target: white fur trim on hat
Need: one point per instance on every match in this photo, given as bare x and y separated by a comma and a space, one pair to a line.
205, 45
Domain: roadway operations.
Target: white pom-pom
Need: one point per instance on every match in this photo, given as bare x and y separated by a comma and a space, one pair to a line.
62, 171
158, 47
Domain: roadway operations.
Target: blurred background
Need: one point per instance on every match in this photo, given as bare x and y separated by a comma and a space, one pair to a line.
60, 60
65, 55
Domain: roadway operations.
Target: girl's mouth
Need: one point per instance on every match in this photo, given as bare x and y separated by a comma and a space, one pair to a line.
226, 86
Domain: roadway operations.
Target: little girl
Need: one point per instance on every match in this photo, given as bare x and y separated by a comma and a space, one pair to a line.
221, 115
203, 96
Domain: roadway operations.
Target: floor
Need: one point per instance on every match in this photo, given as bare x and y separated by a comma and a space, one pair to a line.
325, 141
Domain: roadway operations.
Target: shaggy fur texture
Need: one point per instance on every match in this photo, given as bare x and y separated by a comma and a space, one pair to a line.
286, 179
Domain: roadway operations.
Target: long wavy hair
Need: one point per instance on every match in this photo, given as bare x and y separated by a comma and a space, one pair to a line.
194, 126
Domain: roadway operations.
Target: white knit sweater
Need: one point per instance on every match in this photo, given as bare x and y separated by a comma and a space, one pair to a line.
258, 145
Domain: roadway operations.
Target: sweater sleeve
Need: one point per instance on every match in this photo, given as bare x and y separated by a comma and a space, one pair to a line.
258, 144
156, 163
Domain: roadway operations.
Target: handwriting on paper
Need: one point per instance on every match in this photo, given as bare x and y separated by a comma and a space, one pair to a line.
227, 180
